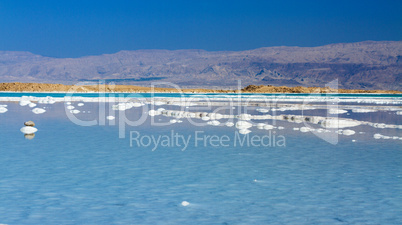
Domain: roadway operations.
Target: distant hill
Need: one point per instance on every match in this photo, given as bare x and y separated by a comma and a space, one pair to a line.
362, 65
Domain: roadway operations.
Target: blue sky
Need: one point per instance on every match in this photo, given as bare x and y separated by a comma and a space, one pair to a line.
73, 28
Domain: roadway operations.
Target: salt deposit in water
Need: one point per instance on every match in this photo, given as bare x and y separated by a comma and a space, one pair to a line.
24, 102
28, 130
229, 124
185, 203
268, 127
305, 129
213, 123
339, 123
348, 132
244, 131
243, 125
363, 110
337, 111
38, 110
3, 109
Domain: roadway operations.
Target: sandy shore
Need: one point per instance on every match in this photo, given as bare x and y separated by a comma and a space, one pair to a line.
40, 87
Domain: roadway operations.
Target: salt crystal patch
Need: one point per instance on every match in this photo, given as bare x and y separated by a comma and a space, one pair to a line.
110, 117
38, 110
268, 127
377, 136
205, 118
185, 203
363, 110
213, 123
28, 130
338, 123
337, 111
3, 109
24, 102
304, 129
243, 125
348, 132
244, 131
229, 124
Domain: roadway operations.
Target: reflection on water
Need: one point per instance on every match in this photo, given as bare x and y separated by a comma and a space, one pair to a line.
29, 136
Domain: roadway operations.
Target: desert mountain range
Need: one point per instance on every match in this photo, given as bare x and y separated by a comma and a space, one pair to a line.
362, 65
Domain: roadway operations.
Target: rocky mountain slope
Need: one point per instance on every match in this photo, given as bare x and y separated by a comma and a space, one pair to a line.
362, 65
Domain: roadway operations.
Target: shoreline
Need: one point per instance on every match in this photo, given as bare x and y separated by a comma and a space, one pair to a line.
247, 93
124, 89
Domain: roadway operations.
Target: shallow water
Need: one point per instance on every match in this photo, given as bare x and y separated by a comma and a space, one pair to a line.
70, 174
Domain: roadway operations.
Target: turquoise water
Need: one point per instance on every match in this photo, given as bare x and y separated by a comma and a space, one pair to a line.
148, 95
69, 174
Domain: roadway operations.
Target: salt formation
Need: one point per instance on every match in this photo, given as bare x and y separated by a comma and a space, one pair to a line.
38, 110
122, 106
185, 203
244, 117
262, 110
244, 131
3, 109
213, 123
229, 124
24, 102
110, 118
305, 129
268, 127
28, 130
337, 111
153, 112
243, 125
339, 123
363, 110
205, 118
348, 132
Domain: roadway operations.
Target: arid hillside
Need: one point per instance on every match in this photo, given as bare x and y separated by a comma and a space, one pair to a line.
364, 65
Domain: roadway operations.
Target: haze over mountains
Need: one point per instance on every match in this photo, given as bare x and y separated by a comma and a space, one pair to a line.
362, 65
